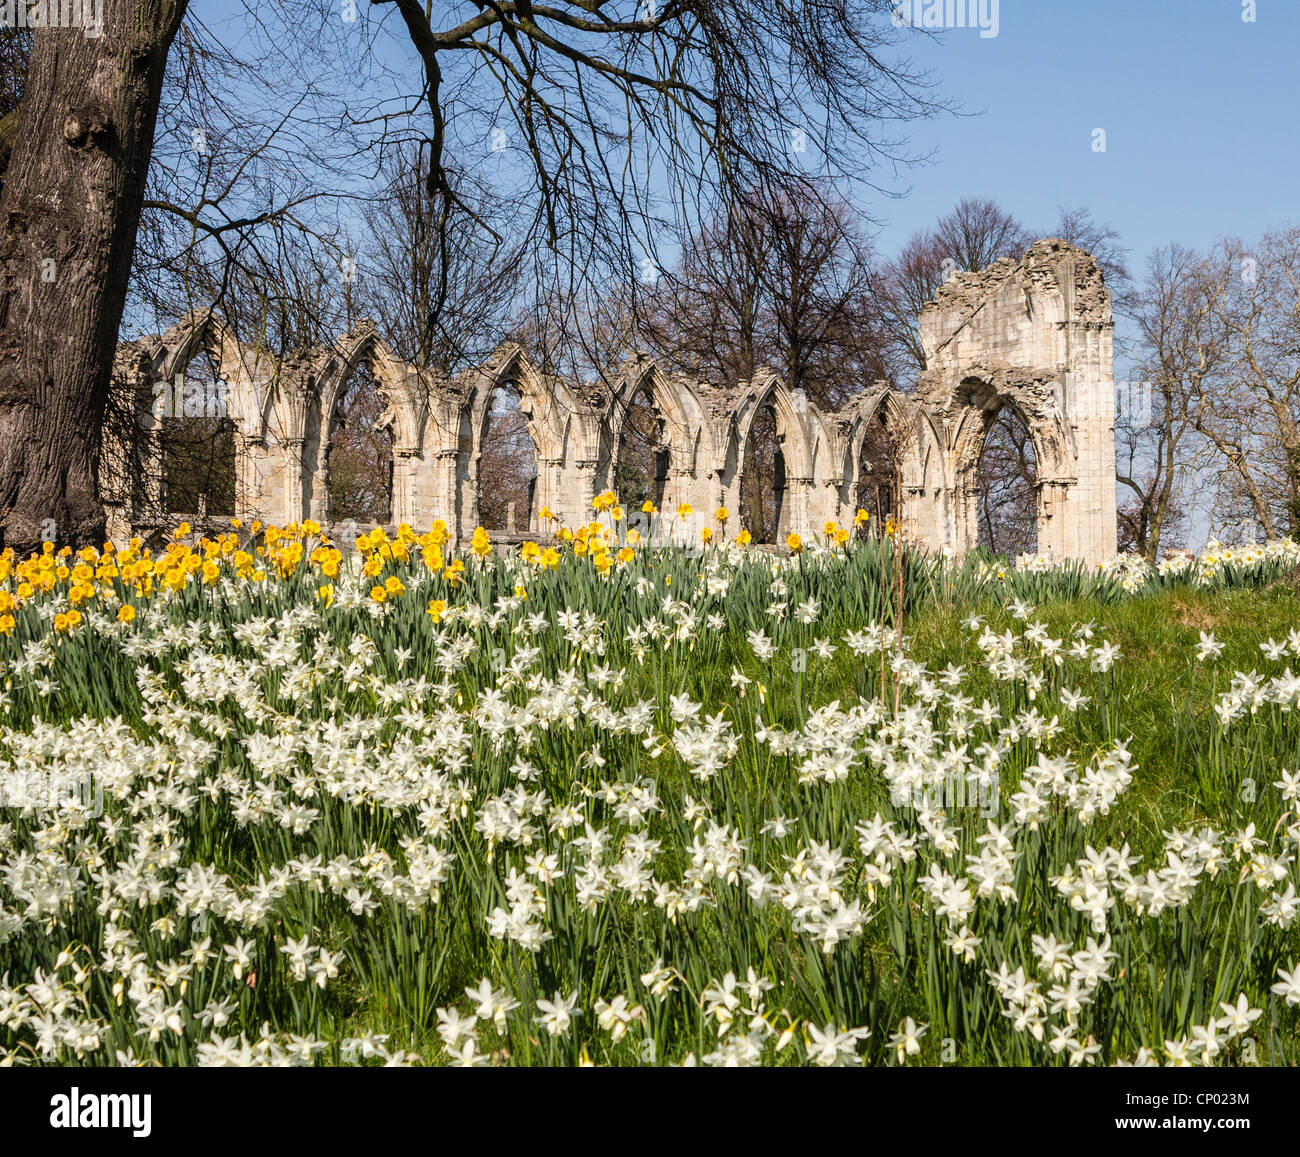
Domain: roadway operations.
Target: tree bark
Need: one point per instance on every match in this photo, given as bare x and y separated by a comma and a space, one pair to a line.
68, 218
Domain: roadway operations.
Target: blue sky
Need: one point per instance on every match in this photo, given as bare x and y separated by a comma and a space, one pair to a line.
1197, 104
1198, 107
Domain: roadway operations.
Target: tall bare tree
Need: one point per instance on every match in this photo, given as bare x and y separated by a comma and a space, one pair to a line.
1249, 411
436, 316
1180, 349
782, 281
69, 211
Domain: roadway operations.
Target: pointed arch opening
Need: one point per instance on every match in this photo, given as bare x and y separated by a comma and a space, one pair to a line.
762, 479
359, 452
197, 440
878, 488
507, 465
1007, 475
644, 457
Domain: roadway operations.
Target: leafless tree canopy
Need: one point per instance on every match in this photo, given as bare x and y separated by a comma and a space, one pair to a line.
784, 281
443, 317
620, 126
1248, 412
1179, 344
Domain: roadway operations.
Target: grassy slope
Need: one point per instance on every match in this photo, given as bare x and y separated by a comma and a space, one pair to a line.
1157, 684
1160, 683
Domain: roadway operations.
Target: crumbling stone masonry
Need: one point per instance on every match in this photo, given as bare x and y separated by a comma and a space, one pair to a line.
1033, 334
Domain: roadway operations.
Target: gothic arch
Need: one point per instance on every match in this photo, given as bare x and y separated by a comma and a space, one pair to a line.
547, 405
398, 383
1037, 407
911, 428
795, 418
547, 401
673, 397
188, 463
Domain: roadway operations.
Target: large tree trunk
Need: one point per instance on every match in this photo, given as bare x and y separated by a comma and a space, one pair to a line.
68, 219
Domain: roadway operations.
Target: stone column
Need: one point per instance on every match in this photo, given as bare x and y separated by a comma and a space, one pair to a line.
795, 513
1055, 506
824, 506
152, 468
250, 458
1092, 530
456, 491
438, 493
925, 518
965, 508
548, 493
406, 486
726, 492
285, 505
685, 486
580, 487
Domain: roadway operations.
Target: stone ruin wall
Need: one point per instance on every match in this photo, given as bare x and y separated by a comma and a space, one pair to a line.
1034, 334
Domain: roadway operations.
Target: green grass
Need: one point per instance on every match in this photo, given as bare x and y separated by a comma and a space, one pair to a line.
1163, 693
399, 963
